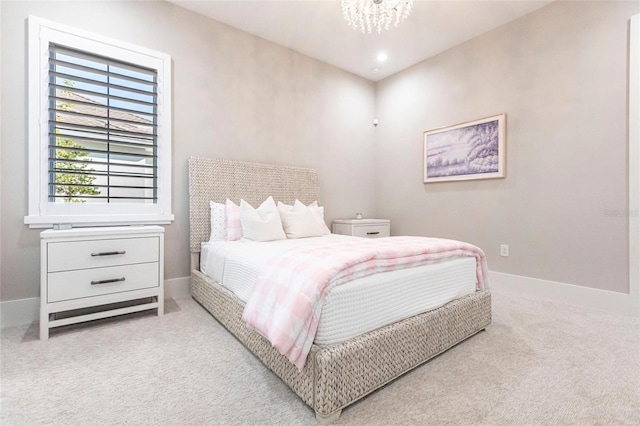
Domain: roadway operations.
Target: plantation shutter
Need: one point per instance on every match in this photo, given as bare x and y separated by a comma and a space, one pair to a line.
103, 143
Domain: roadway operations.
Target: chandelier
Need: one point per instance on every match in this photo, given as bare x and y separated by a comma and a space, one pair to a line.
378, 14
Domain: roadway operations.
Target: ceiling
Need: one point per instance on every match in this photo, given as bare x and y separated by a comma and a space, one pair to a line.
316, 28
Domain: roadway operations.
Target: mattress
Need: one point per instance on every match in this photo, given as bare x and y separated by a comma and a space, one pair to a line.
352, 308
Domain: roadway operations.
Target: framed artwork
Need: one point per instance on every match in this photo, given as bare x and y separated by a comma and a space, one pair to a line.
471, 150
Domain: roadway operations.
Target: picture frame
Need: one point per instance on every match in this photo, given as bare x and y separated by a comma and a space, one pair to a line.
466, 151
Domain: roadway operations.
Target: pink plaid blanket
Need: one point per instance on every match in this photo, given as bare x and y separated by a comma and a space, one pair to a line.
288, 297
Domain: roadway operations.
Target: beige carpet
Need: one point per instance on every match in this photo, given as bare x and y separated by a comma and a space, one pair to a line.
539, 363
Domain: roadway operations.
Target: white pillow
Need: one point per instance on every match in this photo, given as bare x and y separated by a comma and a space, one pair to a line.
284, 207
318, 214
263, 223
298, 221
217, 221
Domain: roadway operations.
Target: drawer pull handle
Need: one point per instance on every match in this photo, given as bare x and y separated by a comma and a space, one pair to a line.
114, 280
108, 253
373, 233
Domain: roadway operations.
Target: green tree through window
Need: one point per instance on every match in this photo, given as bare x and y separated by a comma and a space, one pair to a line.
77, 183
73, 185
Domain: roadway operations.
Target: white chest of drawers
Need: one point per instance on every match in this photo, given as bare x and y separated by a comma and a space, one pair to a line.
87, 272
368, 228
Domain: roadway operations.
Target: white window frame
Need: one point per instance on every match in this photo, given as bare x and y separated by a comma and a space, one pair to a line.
43, 213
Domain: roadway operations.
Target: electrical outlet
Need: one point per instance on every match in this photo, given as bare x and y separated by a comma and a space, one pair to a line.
504, 250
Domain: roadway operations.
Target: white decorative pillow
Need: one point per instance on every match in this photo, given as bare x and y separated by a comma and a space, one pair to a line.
232, 226
263, 223
298, 221
284, 207
217, 221
318, 214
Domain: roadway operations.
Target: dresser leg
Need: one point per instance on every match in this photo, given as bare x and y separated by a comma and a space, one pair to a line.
160, 305
44, 328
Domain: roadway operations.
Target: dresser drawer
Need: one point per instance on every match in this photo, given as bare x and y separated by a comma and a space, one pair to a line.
69, 285
71, 255
371, 231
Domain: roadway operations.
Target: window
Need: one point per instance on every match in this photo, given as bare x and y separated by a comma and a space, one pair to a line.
102, 129
99, 130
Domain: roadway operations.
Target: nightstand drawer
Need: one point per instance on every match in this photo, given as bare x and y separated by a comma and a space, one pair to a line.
371, 231
70, 255
98, 281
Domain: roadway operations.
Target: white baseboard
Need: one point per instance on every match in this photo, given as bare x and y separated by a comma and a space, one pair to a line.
177, 287
25, 311
18, 312
620, 303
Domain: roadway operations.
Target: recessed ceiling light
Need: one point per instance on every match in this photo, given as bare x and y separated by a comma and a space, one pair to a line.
375, 69
381, 57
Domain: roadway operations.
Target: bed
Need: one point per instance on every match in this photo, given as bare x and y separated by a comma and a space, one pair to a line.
335, 374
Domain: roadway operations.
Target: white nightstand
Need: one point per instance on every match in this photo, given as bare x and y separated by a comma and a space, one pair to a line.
88, 268
368, 228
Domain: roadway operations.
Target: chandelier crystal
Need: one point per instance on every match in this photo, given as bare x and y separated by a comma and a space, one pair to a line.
378, 14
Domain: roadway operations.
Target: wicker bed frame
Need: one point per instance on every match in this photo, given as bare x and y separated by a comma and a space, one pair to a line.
337, 375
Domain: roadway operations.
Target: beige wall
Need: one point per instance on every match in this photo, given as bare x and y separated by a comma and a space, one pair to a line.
235, 96
560, 75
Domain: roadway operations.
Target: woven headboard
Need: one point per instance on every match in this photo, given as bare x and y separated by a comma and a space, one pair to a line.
212, 179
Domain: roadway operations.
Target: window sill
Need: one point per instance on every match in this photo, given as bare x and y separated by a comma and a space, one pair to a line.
99, 220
